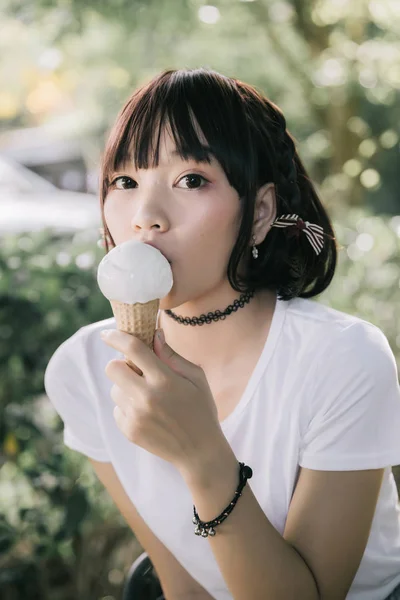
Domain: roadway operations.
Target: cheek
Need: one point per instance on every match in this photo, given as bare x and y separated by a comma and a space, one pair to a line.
211, 238
219, 228
108, 213
218, 217
114, 222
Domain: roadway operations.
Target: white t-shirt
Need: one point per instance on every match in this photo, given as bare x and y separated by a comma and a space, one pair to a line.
323, 395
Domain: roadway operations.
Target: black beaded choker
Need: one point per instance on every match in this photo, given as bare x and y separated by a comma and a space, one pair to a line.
213, 316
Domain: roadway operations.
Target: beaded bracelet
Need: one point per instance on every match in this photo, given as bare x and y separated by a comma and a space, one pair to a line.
208, 528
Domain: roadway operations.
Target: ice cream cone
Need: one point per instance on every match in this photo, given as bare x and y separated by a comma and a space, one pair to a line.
138, 319
134, 276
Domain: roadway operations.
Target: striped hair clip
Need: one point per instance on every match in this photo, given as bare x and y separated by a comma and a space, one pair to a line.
314, 233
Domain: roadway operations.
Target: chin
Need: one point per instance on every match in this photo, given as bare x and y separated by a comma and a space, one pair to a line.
173, 300
169, 302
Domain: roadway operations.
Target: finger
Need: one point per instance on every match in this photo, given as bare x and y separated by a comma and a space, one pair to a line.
125, 378
123, 402
135, 350
133, 366
125, 425
176, 362
120, 419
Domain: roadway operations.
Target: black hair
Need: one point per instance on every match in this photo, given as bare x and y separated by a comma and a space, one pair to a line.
247, 135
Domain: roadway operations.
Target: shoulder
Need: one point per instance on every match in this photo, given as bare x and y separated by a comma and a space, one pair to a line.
336, 352
73, 382
316, 313
352, 361
82, 349
334, 330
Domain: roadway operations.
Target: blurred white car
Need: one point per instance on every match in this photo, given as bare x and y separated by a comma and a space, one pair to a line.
29, 202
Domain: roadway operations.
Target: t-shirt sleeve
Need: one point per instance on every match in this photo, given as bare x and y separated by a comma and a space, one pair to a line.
67, 385
354, 409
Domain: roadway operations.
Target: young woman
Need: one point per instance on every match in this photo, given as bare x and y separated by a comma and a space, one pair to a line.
252, 458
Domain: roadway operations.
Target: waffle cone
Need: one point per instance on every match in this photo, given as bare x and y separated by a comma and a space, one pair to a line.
138, 319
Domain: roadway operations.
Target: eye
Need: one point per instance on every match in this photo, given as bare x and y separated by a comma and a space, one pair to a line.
192, 180
123, 179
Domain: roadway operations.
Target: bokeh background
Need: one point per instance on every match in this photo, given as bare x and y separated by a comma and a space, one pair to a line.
66, 67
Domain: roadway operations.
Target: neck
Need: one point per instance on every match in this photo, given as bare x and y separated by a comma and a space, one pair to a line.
215, 346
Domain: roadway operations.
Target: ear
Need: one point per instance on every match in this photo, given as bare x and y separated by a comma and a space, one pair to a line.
265, 211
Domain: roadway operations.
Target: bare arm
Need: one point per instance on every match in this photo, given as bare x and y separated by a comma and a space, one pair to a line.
175, 581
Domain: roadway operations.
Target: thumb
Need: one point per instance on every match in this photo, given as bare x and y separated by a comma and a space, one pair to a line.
172, 359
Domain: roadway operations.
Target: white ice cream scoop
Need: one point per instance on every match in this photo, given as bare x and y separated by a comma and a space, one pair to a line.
134, 272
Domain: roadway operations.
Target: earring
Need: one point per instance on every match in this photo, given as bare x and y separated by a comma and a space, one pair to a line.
254, 250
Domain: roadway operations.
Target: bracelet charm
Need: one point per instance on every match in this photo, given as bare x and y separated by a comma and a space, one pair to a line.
208, 528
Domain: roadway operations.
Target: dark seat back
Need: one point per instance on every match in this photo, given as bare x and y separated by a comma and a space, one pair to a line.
142, 582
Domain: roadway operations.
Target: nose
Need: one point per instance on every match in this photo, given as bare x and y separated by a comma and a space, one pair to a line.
148, 216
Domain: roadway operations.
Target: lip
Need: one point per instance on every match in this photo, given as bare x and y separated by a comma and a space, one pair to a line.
155, 246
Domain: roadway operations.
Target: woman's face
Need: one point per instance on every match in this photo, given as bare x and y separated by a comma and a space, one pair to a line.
188, 210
